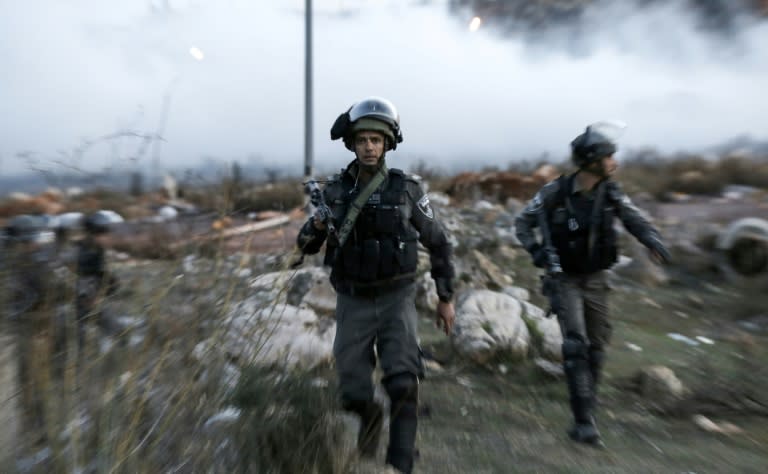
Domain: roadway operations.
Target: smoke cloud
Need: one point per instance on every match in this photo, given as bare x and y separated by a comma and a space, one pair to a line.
79, 70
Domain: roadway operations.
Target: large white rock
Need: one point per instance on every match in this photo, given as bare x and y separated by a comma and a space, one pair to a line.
279, 334
321, 297
305, 287
489, 324
426, 293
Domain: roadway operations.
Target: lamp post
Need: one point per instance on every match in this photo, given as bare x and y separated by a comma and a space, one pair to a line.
308, 158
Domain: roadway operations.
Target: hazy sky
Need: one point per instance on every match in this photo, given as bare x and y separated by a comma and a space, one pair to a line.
81, 69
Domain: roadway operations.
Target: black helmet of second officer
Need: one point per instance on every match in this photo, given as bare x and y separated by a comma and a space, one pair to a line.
593, 145
101, 222
370, 114
28, 228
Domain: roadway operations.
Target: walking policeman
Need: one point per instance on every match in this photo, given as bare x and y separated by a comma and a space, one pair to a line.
576, 214
31, 292
378, 216
94, 281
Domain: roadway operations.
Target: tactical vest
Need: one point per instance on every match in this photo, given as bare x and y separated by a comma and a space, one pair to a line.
571, 220
382, 246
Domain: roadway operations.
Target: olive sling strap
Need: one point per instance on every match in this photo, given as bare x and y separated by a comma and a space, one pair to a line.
358, 203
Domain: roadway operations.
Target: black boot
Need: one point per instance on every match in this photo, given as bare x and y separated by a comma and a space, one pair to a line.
403, 391
402, 435
371, 416
370, 430
581, 391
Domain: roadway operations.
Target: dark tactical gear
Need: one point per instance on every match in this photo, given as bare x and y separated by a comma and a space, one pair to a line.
32, 291
374, 274
581, 226
381, 253
93, 282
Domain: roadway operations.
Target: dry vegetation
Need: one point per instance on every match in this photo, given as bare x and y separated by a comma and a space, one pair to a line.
143, 406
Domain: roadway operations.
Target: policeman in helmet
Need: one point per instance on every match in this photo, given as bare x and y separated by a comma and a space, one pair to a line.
379, 216
577, 211
31, 292
25, 261
94, 281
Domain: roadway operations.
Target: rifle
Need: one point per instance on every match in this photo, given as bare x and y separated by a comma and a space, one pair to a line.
552, 280
322, 212
318, 201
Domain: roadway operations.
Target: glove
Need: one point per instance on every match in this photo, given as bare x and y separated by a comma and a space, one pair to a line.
539, 256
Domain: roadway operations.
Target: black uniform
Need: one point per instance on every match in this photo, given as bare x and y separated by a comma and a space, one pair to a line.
374, 274
32, 292
93, 282
581, 224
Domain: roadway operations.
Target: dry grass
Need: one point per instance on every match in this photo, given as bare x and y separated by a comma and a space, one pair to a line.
662, 176
142, 404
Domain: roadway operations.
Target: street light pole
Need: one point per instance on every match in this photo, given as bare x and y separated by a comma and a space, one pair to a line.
308, 158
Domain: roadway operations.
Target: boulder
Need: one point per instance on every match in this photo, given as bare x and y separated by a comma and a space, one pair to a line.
280, 334
489, 325
426, 293
490, 275
659, 385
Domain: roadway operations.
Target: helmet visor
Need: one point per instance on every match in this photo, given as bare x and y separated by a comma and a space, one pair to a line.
375, 107
606, 130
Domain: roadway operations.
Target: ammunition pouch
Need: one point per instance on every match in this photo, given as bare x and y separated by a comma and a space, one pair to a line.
373, 260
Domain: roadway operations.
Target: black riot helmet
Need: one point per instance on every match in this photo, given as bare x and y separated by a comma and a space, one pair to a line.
101, 222
372, 113
597, 142
28, 228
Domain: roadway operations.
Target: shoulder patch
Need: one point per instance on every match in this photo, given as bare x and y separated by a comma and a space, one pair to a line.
425, 207
544, 196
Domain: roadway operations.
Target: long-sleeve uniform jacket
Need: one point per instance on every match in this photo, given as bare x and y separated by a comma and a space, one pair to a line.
581, 227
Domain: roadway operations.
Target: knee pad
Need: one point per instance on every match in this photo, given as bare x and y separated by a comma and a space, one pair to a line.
402, 387
356, 406
574, 347
596, 354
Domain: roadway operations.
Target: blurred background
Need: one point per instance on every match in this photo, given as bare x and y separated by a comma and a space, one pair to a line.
175, 85
152, 154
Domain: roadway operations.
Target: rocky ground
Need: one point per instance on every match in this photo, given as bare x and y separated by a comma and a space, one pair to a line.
684, 389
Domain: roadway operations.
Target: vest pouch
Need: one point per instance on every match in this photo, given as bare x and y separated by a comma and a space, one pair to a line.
408, 256
388, 264
387, 220
350, 261
369, 261
560, 217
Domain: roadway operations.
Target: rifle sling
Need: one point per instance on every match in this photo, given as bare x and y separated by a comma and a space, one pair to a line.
597, 207
357, 205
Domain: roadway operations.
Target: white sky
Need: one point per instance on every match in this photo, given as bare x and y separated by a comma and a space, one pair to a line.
77, 69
